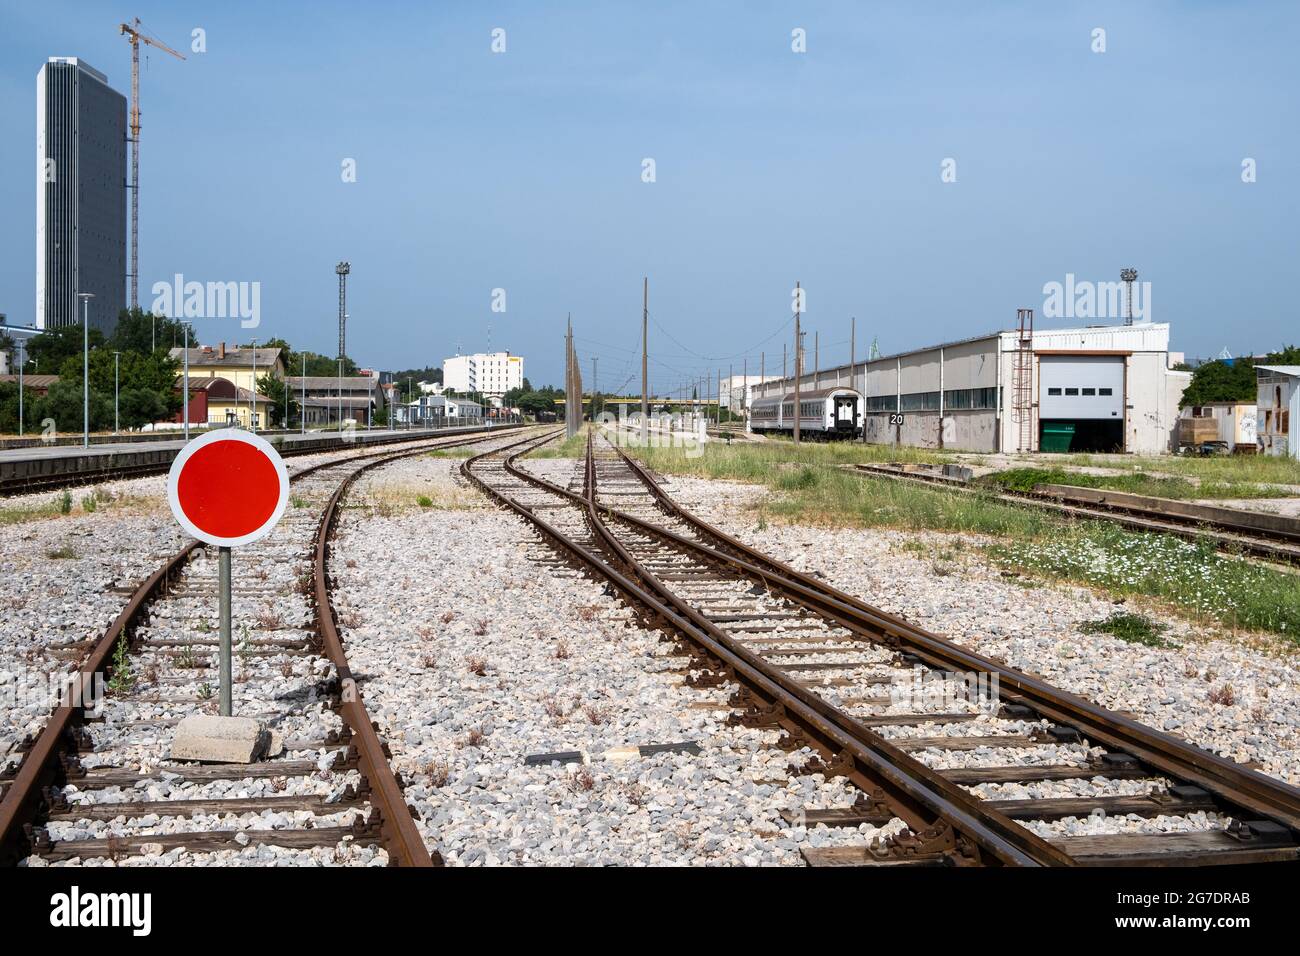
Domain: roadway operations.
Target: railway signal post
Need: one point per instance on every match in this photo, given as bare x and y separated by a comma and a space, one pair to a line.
227, 488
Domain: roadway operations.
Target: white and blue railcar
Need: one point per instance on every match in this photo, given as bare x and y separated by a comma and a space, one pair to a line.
823, 413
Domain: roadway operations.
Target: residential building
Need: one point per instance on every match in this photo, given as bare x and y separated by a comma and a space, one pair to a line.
1278, 403
81, 139
236, 365
1101, 388
488, 373
736, 392
218, 401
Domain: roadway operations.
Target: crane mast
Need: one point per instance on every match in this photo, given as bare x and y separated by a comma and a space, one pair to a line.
135, 37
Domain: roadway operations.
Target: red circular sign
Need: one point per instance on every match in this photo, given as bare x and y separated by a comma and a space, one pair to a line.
228, 487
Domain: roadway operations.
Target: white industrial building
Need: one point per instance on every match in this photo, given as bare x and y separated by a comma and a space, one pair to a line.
1278, 404
1100, 388
489, 373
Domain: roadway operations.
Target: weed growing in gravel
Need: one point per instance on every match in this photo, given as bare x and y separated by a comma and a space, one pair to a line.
554, 708
89, 503
596, 714
205, 691
1191, 575
428, 662
561, 650
1133, 628
186, 658
1138, 483
1223, 695
438, 772
298, 502
474, 737
65, 502
477, 666
63, 552
269, 619
581, 781
481, 627
424, 501
448, 617
122, 680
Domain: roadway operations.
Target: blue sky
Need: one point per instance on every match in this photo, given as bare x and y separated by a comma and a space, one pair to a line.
522, 170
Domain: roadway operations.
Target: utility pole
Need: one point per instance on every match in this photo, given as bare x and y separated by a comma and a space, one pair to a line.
342, 270
594, 360
85, 367
817, 358
252, 398
302, 412
744, 394
186, 390
785, 363
21, 345
798, 360
645, 363
731, 392
117, 358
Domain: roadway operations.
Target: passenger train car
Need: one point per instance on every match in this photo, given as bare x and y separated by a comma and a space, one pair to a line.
824, 413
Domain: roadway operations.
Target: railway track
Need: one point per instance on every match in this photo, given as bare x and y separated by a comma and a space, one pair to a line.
158, 461
896, 709
1230, 530
94, 785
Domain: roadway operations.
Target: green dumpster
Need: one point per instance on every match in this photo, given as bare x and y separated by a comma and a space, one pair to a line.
1057, 436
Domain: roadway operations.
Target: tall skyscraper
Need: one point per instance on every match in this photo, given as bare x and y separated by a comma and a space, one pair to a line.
80, 195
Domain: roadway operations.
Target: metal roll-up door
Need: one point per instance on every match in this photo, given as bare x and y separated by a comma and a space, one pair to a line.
1081, 387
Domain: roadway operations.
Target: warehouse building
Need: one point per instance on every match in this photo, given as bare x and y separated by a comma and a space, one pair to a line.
1279, 409
1100, 388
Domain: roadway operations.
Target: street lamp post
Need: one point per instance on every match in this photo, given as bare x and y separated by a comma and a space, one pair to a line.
22, 360
85, 367
117, 361
252, 399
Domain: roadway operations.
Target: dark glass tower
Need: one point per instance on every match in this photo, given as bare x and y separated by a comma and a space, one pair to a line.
80, 195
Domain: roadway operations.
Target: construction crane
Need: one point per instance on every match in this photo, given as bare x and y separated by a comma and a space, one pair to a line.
135, 37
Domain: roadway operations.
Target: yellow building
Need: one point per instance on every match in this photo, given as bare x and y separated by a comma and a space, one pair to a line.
235, 365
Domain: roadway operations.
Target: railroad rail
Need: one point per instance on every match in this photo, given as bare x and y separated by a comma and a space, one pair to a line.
811, 661
1229, 529
24, 476
74, 772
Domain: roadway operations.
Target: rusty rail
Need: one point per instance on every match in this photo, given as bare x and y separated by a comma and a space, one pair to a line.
1233, 782
42, 764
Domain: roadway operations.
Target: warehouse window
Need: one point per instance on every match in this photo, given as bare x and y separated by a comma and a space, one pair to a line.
1053, 391
1071, 391
1104, 391
1090, 391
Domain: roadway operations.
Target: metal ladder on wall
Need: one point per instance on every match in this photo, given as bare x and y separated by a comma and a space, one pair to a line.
1022, 382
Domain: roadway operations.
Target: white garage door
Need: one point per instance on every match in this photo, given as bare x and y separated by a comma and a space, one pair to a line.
1081, 386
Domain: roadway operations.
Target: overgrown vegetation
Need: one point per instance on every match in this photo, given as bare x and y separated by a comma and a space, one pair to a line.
1191, 575
1275, 469
1133, 482
1133, 628
122, 680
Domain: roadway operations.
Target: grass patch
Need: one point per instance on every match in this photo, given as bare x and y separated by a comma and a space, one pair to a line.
1133, 482
574, 447
1133, 628
1232, 469
23, 514
1192, 576
64, 552
424, 501
811, 488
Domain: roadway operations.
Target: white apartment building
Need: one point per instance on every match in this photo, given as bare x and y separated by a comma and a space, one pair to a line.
491, 373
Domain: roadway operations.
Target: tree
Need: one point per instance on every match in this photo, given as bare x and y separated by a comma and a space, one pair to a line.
143, 332
280, 394
145, 385
63, 404
1232, 380
49, 350
9, 407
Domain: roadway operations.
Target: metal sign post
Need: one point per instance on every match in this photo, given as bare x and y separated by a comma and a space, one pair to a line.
227, 488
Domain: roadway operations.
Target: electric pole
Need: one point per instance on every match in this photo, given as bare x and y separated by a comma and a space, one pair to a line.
645, 365
798, 358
